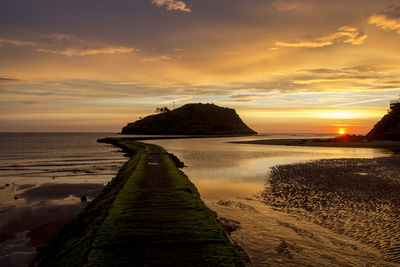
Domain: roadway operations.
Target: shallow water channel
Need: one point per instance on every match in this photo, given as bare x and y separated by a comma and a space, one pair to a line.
221, 170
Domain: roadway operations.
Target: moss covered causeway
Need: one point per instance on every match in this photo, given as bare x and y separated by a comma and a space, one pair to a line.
149, 215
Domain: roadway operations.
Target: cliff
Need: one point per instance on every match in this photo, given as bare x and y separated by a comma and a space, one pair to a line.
191, 119
388, 128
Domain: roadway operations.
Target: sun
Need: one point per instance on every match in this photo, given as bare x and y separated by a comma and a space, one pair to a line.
341, 131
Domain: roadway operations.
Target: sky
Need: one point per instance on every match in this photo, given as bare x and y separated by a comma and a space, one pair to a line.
284, 65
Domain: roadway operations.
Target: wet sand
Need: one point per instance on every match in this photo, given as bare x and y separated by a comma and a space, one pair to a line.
357, 198
36, 216
46, 174
60, 191
274, 238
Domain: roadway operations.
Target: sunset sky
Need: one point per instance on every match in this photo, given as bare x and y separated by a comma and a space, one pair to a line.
284, 65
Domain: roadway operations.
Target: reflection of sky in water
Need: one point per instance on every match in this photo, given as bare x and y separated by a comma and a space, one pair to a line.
223, 170
30, 160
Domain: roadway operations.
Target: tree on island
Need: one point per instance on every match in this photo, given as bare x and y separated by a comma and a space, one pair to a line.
162, 110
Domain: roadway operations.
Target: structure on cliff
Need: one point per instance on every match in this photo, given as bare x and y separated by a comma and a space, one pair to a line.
395, 104
191, 119
388, 128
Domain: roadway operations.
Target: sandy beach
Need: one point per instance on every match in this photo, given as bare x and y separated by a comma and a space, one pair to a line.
357, 198
275, 238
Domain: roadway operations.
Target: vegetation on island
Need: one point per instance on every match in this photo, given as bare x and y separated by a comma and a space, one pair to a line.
162, 110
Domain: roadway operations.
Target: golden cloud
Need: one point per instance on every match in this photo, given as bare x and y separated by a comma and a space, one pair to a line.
68, 45
157, 58
73, 52
385, 23
345, 34
238, 101
4, 41
173, 5
263, 95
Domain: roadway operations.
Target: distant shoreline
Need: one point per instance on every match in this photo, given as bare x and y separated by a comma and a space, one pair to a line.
326, 142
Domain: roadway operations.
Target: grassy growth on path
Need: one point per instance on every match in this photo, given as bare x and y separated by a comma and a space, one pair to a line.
156, 218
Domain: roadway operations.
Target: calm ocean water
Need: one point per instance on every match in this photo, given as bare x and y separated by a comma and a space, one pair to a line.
68, 157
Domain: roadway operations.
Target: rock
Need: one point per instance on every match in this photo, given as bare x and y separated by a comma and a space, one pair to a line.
176, 160
229, 225
84, 198
191, 119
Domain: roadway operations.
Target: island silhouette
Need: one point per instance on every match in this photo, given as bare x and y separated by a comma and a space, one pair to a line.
191, 119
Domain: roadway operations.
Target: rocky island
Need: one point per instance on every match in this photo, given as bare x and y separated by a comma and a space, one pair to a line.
191, 119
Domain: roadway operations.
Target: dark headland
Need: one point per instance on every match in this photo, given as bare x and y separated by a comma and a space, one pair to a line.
385, 134
388, 128
191, 119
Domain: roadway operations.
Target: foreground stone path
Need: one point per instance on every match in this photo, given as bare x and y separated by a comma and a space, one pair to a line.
156, 219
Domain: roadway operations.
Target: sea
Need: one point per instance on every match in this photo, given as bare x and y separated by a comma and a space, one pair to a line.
45, 174
57, 157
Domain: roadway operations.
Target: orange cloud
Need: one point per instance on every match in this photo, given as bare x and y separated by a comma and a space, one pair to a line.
4, 41
157, 58
345, 34
72, 52
173, 5
385, 23
68, 45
